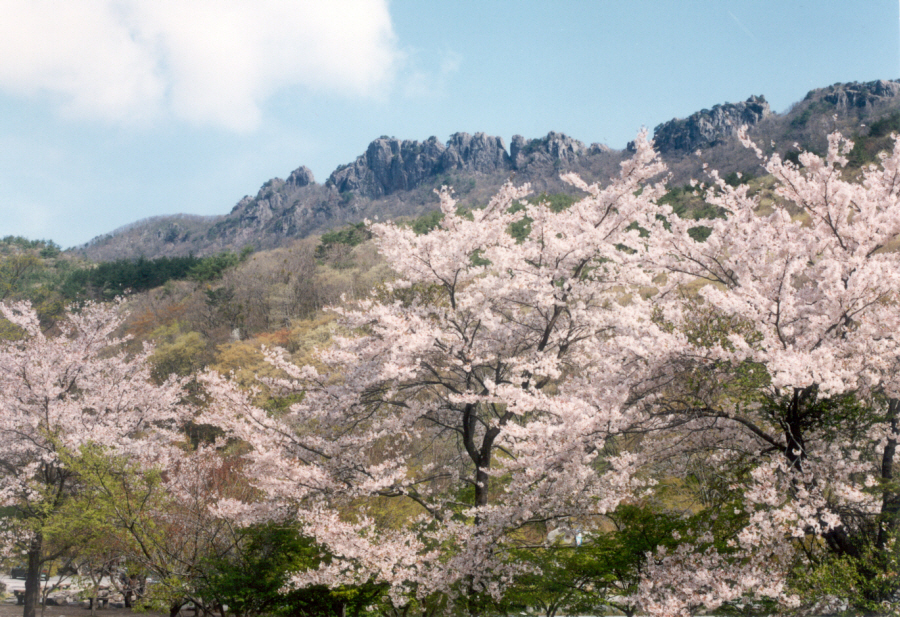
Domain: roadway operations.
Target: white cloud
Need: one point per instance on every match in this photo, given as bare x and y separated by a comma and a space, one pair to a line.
204, 61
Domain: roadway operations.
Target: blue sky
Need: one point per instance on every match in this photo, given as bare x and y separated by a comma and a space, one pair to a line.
115, 110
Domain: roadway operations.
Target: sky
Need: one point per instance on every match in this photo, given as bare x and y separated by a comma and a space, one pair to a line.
112, 111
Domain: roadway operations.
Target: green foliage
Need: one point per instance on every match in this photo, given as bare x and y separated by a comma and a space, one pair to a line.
597, 575
46, 248
212, 267
869, 581
30, 270
253, 580
110, 279
224, 306
349, 236
177, 352
18, 273
793, 156
556, 202
736, 179
533, 145
427, 222
687, 202
845, 413
866, 147
802, 119
885, 126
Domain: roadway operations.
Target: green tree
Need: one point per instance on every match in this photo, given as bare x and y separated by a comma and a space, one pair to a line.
598, 572
254, 578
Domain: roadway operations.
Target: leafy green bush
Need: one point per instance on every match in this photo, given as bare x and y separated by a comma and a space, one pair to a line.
253, 580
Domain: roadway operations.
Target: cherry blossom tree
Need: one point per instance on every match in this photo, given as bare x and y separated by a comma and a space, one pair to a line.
792, 356
503, 382
58, 395
483, 389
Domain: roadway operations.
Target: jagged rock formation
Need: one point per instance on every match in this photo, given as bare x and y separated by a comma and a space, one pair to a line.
396, 177
390, 165
555, 149
477, 153
709, 127
392, 178
281, 209
302, 176
859, 95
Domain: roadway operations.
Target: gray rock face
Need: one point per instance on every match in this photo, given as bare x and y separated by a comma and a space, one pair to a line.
555, 149
302, 176
859, 95
479, 153
710, 126
390, 165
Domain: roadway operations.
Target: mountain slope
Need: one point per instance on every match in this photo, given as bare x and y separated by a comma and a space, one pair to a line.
395, 177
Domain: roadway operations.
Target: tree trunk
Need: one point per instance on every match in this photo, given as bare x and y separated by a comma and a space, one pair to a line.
795, 448
890, 499
33, 577
482, 480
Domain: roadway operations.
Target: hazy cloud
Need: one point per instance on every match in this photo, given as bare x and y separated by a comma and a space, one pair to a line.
419, 82
204, 61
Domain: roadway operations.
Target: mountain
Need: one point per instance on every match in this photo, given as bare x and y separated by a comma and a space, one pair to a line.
391, 178
395, 178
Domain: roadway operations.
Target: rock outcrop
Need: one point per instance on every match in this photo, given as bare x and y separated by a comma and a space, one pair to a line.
858, 95
302, 176
709, 127
390, 165
555, 149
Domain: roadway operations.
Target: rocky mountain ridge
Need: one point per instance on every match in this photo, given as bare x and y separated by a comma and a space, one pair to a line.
395, 177
710, 127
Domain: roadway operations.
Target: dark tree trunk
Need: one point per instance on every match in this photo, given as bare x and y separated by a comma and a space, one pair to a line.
33, 577
890, 499
792, 424
482, 480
